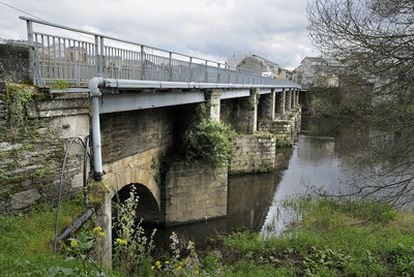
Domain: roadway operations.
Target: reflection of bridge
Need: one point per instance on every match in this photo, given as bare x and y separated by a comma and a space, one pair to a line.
143, 98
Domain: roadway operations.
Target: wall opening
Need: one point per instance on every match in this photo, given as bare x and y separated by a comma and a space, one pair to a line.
147, 207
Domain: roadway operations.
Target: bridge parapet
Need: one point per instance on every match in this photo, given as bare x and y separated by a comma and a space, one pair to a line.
80, 55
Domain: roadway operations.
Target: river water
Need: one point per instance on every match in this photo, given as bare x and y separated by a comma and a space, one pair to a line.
326, 158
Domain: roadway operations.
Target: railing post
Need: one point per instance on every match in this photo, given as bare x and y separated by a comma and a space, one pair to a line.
191, 69
31, 70
102, 55
99, 54
142, 63
170, 66
206, 73
218, 72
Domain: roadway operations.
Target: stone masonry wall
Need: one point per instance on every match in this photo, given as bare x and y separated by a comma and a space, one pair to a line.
194, 192
237, 113
253, 153
129, 133
32, 149
285, 128
14, 62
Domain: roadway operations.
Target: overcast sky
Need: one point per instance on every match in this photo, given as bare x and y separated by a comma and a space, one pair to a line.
275, 29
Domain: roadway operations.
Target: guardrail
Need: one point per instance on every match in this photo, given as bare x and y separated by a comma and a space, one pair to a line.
76, 60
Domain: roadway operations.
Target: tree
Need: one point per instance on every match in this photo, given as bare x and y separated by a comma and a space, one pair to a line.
374, 40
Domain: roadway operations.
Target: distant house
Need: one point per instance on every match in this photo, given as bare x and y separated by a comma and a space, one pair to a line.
316, 72
258, 65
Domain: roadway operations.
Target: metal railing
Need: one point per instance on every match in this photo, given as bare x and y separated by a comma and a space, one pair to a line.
82, 55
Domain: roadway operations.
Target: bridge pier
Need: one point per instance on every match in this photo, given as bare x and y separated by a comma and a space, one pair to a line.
267, 106
288, 100
213, 101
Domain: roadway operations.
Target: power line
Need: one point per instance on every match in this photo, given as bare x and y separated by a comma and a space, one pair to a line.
20, 10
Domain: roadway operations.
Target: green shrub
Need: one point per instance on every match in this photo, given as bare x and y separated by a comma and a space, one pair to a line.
208, 140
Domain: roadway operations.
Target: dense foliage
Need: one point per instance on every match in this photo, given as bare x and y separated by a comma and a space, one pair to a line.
208, 140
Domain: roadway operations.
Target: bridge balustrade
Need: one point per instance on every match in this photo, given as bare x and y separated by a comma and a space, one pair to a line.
75, 56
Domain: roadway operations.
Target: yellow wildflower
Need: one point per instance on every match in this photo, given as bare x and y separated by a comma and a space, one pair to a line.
121, 241
74, 243
167, 262
97, 231
152, 267
158, 264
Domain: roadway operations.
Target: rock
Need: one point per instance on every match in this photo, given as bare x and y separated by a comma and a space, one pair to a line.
24, 199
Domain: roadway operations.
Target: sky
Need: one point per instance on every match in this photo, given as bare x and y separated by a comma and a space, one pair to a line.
214, 29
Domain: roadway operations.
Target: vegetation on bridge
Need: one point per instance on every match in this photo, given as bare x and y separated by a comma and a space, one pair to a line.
208, 140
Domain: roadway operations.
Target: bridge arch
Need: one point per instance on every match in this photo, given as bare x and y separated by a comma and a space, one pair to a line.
147, 206
135, 169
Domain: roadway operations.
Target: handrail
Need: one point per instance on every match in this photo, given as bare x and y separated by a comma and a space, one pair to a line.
57, 58
47, 23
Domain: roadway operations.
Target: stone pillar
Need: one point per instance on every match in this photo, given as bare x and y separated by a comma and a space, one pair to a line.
266, 106
294, 98
297, 98
104, 243
213, 101
252, 125
288, 100
282, 102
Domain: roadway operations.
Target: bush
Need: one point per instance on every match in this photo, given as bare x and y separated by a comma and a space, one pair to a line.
208, 140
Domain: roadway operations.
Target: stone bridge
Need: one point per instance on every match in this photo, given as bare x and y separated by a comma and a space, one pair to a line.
136, 112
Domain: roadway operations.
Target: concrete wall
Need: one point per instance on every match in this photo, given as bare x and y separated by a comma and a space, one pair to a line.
253, 153
194, 192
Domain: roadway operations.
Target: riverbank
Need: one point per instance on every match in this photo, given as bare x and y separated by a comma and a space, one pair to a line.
332, 239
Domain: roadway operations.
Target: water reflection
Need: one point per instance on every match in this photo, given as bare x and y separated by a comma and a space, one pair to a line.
249, 198
354, 162
327, 158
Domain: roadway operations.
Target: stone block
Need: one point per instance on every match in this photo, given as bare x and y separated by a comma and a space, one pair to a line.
24, 199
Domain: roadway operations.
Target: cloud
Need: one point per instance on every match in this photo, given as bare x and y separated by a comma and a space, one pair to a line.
275, 29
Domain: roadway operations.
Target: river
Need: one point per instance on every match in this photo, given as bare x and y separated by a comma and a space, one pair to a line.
326, 158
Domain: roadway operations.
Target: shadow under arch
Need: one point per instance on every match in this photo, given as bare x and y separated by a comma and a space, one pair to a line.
147, 205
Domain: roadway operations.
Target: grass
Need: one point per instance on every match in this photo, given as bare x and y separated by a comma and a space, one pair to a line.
26, 240
334, 239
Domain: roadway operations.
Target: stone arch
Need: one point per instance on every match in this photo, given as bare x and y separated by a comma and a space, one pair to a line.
135, 169
147, 206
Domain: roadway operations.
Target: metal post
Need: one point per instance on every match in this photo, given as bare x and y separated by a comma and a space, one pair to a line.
218, 72
142, 63
206, 72
191, 69
102, 55
31, 69
97, 58
170, 66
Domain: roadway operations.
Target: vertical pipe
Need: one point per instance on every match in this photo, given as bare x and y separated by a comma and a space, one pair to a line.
96, 137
